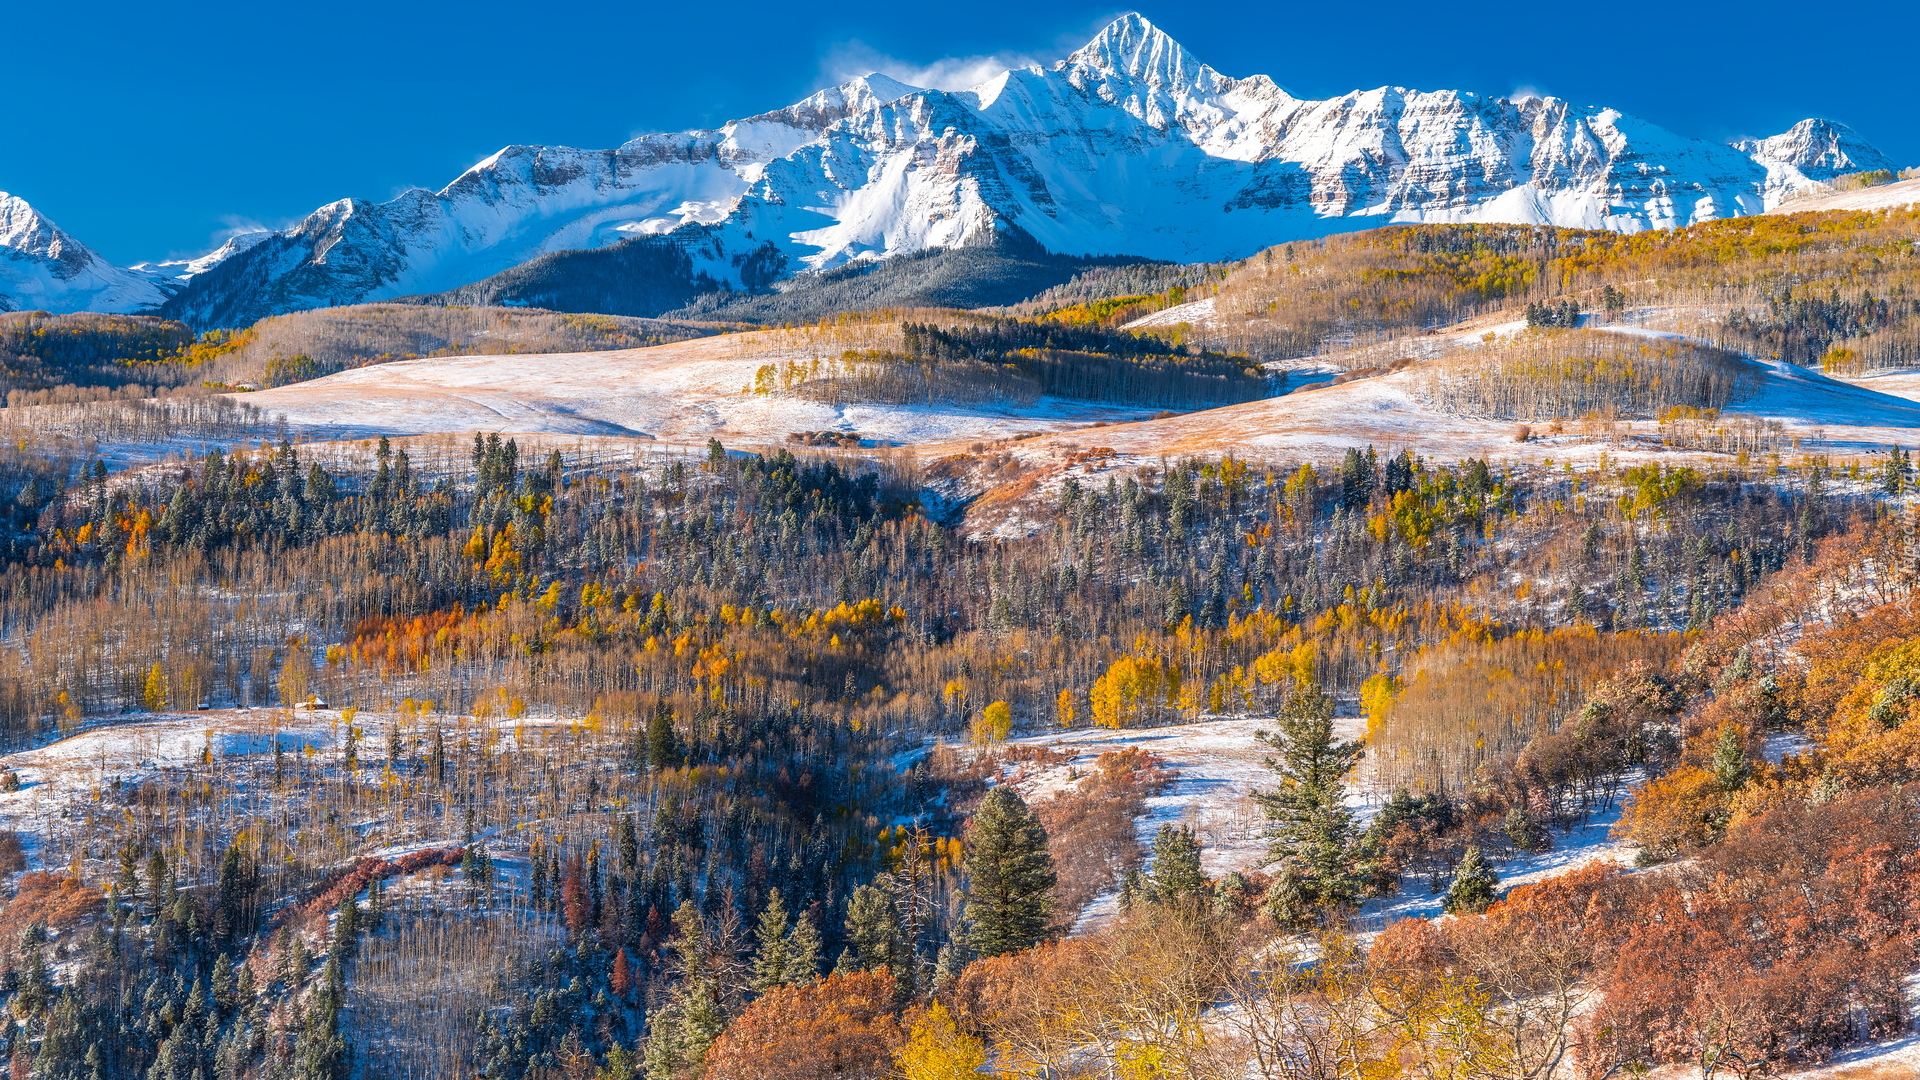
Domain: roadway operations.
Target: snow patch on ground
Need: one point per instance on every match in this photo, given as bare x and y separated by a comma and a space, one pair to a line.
1218, 765
1193, 311
687, 391
75, 775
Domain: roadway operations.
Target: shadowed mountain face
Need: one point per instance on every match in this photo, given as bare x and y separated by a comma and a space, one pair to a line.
1129, 146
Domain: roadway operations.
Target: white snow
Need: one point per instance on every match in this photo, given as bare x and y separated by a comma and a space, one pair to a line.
43, 268
1895, 196
69, 776
1193, 311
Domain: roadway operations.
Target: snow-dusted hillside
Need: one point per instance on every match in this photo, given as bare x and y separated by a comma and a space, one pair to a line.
1130, 145
685, 392
1894, 196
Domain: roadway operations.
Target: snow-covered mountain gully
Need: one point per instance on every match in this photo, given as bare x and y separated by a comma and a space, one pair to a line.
1129, 146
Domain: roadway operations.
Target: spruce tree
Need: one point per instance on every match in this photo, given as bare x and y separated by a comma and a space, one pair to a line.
1312, 827
661, 751
873, 930
476, 866
229, 897
1176, 865
320, 1052
772, 954
1010, 876
1730, 768
346, 931
1475, 886
803, 950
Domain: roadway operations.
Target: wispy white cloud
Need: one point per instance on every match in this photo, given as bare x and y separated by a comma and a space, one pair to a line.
232, 225
854, 58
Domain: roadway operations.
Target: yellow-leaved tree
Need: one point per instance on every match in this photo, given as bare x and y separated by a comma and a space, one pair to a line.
1134, 688
936, 1049
155, 693
994, 723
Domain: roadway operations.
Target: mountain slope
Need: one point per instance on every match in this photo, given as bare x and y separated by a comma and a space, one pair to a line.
1129, 146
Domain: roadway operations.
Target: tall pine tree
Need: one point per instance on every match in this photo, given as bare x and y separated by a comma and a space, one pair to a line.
1312, 827
1010, 876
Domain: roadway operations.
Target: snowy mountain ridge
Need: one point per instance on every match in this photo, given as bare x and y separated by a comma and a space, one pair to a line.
43, 268
1130, 145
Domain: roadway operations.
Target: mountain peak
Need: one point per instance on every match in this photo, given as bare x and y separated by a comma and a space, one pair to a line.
885, 88
25, 230
1132, 47
42, 267
1819, 148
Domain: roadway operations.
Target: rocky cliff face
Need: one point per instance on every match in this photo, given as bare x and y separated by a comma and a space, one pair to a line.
1130, 145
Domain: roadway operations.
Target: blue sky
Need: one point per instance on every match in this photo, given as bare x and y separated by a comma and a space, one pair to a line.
149, 130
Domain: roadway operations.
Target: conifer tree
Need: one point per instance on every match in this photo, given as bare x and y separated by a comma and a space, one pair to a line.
772, 955
1312, 827
803, 950
1730, 768
1010, 876
873, 930
476, 867
661, 752
1474, 888
320, 1053
682, 1030
222, 984
230, 899
1176, 865
346, 932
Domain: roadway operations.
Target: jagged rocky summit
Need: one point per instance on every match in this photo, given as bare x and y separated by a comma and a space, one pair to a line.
1128, 146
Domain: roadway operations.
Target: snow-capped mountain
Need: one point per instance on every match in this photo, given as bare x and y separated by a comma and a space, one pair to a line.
1811, 153
42, 268
1130, 146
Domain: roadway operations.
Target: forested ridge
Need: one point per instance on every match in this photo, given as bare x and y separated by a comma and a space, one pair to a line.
698, 676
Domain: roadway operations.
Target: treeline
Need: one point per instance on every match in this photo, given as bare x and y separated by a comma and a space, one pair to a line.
1806, 324
39, 351
132, 414
1147, 287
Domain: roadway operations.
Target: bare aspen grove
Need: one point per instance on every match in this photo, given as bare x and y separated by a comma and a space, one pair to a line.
494, 757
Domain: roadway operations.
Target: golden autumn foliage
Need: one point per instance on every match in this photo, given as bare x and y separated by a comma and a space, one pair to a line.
936, 1049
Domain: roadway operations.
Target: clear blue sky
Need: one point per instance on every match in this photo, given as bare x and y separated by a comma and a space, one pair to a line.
145, 129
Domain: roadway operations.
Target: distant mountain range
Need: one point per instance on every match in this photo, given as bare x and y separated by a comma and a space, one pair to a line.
1130, 146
